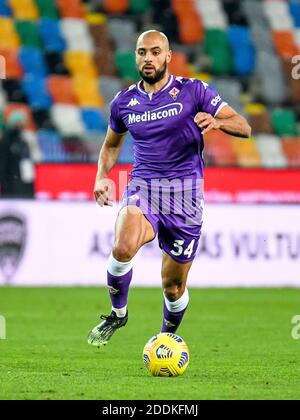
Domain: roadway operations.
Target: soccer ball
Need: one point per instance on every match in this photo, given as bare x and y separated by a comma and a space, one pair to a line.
166, 354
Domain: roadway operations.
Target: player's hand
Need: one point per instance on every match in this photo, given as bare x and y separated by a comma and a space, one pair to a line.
206, 121
102, 193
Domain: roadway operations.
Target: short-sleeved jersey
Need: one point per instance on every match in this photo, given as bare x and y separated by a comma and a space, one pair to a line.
167, 142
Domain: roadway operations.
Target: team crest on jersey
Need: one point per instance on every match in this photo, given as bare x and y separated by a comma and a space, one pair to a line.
174, 93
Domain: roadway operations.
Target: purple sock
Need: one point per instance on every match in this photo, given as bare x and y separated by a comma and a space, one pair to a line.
118, 289
171, 320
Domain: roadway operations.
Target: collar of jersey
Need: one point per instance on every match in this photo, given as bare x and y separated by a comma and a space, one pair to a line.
168, 84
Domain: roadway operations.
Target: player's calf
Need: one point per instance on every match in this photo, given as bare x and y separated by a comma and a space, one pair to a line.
173, 312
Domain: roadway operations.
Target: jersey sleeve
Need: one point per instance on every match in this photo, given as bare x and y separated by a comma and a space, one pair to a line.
208, 99
116, 123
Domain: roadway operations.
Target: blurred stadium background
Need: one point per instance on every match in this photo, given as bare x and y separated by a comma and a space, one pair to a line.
61, 63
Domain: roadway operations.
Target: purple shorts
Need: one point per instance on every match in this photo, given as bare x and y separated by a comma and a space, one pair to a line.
175, 211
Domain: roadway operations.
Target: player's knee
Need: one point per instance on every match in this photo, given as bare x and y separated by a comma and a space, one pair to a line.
173, 292
123, 251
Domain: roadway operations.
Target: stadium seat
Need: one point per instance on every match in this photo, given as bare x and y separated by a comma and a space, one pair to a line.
71, 8
284, 122
3, 99
116, 6
243, 50
28, 33
86, 91
93, 141
213, 14
218, 149
291, 148
109, 86
47, 8
8, 35
295, 12
51, 146
261, 37
41, 118
12, 107
61, 90
191, 29
24, 9
294, 91
105, 62
278, 15
126, 154
247, 153
32, 61
35, 88
259, 119
75, 149
122, 31
55, 63
254, 11
139, 7
274, 89
125, 64
285, 44
80, 63
13, 91
50, 34
67, 120
164, 17
77, 35
5, 10
271, 151
93, 119
13, 67
230, 90
235, 13
95, 19
216, 45
179, 65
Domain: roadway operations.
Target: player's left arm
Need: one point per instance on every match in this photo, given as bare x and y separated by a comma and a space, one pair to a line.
227, 119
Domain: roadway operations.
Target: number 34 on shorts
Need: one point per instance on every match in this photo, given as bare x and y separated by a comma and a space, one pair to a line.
182, 247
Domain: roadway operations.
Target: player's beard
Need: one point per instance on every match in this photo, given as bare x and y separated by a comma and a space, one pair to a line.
158, 75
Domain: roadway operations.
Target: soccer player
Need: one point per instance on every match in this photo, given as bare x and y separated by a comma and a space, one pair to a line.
167, 117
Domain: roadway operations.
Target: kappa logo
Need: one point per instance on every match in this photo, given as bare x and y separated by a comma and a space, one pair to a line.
13, 233
133, 102
174, 93
204, 84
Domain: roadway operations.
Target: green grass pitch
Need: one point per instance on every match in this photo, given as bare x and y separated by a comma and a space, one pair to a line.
240, 343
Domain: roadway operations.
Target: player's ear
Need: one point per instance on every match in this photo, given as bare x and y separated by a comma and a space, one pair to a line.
169, 56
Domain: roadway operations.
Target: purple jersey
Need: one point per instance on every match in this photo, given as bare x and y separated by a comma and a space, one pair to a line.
167, 142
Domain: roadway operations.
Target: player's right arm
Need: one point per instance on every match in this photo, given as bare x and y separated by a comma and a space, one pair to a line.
108, 156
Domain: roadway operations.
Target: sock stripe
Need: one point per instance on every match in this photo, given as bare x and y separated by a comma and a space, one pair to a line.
180, 304
118, 268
